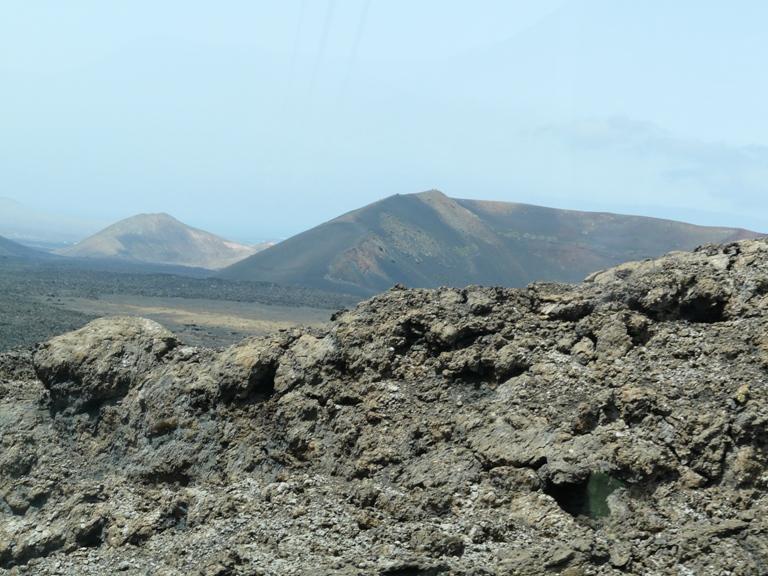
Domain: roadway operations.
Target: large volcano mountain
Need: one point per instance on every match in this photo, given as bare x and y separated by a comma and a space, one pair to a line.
429, 239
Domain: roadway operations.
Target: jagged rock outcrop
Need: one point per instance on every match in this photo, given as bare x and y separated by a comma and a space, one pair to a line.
613, 427
102, 360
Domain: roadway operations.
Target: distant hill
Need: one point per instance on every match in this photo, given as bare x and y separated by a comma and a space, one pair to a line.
429, 239
160, 239
11, 249
33, 226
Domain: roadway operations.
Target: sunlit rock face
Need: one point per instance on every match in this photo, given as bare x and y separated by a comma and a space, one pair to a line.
612, 427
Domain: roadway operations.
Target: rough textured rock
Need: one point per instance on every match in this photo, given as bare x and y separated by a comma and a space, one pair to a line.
614, 427
102, 360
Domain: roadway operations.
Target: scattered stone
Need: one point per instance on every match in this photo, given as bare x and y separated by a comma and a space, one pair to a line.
613, 427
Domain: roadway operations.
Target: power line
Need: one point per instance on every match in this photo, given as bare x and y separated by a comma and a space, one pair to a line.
320, 56
294, 57
355, 49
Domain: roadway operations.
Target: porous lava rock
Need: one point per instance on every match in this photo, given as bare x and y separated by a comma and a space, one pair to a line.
617, 426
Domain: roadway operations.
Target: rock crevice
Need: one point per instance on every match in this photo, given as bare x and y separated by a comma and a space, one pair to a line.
616, 426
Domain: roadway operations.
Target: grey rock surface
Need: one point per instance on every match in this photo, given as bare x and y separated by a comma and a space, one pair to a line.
613, 427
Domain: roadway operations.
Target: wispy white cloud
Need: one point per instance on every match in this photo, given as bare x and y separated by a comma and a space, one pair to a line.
639, 166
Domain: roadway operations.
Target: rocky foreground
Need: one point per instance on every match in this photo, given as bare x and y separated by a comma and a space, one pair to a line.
614, 427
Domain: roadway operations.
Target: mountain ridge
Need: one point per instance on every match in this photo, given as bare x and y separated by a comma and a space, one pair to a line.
159, 238
11, 249
428, 239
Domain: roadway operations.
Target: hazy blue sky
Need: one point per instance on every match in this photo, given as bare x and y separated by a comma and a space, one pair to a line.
257, 119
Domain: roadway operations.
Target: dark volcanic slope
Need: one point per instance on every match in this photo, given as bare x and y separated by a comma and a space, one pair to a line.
428, 239
160, 239
614, 427
11, 249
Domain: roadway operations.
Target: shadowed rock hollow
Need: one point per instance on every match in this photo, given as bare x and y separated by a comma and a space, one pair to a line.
613, 427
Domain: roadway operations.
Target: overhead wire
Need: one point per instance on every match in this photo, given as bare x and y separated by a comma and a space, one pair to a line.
351, 64
320, 56
291, 79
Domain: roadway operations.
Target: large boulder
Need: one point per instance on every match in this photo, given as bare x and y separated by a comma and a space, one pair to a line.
101, 361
